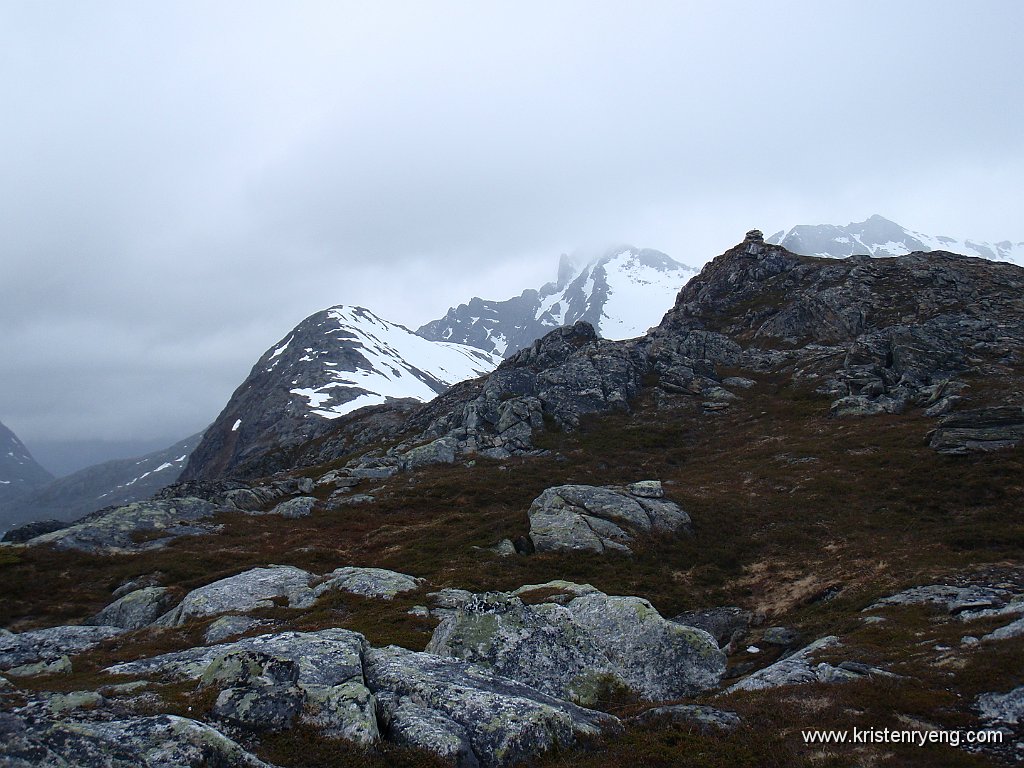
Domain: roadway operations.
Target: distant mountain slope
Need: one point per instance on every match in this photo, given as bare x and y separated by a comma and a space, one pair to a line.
332, 363
622, 294
19, 472
878, 236
113, 482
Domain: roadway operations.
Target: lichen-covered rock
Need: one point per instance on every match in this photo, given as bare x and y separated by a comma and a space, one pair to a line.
440, 451
572, 518
580, 649
792, 670
256, 588
468, 714
229, 626
257, 690
136, 609
371, 582
50, 644
164, 741
294, 508
136, 527
330, 675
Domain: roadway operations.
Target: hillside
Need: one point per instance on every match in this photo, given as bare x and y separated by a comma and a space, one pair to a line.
19, 472
793, 504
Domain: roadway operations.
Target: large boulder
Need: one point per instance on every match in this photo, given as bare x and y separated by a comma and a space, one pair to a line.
468, 714
256, 588
136, 527
327, 667
573, 518
583, 649
982, 429
136, 609
370, 582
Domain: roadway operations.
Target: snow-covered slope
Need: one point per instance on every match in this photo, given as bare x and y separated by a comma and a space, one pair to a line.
19, 472
120, 481
621, 293
877, 236
332, 363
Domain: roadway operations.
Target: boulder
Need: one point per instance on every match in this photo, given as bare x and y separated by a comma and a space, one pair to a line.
229, 626
50, 644
164, 741
294, 508
329, 666
583, 649
136, 527
440, 451
257, 690
468, 714
371, 582
982, 429
800, 668
136, 609
257, 588
572, 518
726, 624
954, 599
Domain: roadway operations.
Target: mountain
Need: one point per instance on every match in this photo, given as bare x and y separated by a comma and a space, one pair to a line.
116, 482
19, 472
802, 486
622, 294
334, 362
878, 236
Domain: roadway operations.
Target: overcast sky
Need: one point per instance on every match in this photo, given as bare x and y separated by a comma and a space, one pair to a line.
181, 183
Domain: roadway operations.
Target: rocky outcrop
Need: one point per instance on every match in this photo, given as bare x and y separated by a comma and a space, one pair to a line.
1002, 707
706, 719
583, 649
256, 588
469, 715
982, 429
800, 668
164, 741
954, 599
44, 646
728, 624
137, 527
136, 609
573, 518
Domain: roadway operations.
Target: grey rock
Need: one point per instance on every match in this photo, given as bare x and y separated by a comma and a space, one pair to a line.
229, 626
792, 670
581, 649
50, 644
58, 666
135, 527
784, 636
371, 582
954, 599
29, 531
440, 451
572, 518
330, 675
136, 609
247, 591
165, 741
1002, 707
60, 703
727, 624
1014, 629
462, 708
337, 500
705, 718
257, 690
979, 430
294, 508
153, 579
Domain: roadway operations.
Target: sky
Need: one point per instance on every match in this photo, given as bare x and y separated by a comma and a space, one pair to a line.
182, 183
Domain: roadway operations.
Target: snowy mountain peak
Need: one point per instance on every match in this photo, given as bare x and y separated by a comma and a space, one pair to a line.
332, 363
878, 236
622, 292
